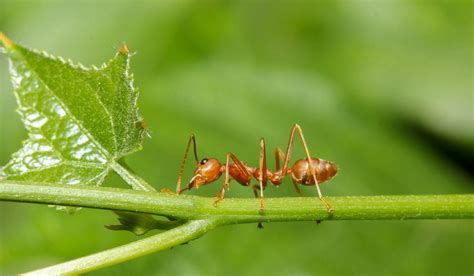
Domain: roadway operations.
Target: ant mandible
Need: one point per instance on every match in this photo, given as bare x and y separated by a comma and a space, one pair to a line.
308, 171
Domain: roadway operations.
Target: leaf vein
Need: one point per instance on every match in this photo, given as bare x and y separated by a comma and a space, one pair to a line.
86, 132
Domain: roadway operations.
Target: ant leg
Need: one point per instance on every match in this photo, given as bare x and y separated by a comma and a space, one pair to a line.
255, 189
296, 127
313, 172
225, 186
180, 178
297, 188
262, 172
278, 154
220, 194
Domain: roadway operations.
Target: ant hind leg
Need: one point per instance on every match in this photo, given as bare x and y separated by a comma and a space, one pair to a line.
296, 128
297, 188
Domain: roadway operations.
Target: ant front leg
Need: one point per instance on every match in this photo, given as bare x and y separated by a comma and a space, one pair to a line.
220, 194
312, 170
242, 172
180, 178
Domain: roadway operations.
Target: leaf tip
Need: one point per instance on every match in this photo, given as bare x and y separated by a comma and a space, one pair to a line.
124, 49
144, 126
5, 40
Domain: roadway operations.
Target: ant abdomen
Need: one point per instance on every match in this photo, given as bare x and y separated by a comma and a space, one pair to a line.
324, 170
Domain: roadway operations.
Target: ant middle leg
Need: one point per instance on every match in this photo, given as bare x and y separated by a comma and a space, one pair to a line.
256, 191
278, 155
262, 174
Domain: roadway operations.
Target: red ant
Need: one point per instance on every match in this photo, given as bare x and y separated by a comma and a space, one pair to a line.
308, 171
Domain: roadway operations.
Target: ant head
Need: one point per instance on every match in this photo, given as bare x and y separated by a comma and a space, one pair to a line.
207, 171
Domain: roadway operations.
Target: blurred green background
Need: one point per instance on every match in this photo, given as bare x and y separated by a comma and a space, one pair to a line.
382, 88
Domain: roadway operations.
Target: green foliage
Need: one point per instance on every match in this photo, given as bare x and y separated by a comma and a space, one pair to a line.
80, 121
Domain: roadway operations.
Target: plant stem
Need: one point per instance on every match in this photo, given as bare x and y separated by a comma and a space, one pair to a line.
203, 216
236, 210
179, 235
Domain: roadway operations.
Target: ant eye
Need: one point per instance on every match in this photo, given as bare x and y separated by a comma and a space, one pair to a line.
203, 161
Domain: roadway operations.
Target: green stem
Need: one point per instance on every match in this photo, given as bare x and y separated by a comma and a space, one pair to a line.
132, 179
202, 215
179, 235
237, 210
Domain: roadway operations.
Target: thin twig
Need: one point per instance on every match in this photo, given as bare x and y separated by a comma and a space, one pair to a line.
179, 235
233, 210
203, 216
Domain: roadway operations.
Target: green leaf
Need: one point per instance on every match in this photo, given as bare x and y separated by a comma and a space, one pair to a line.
80, 120
140, 224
